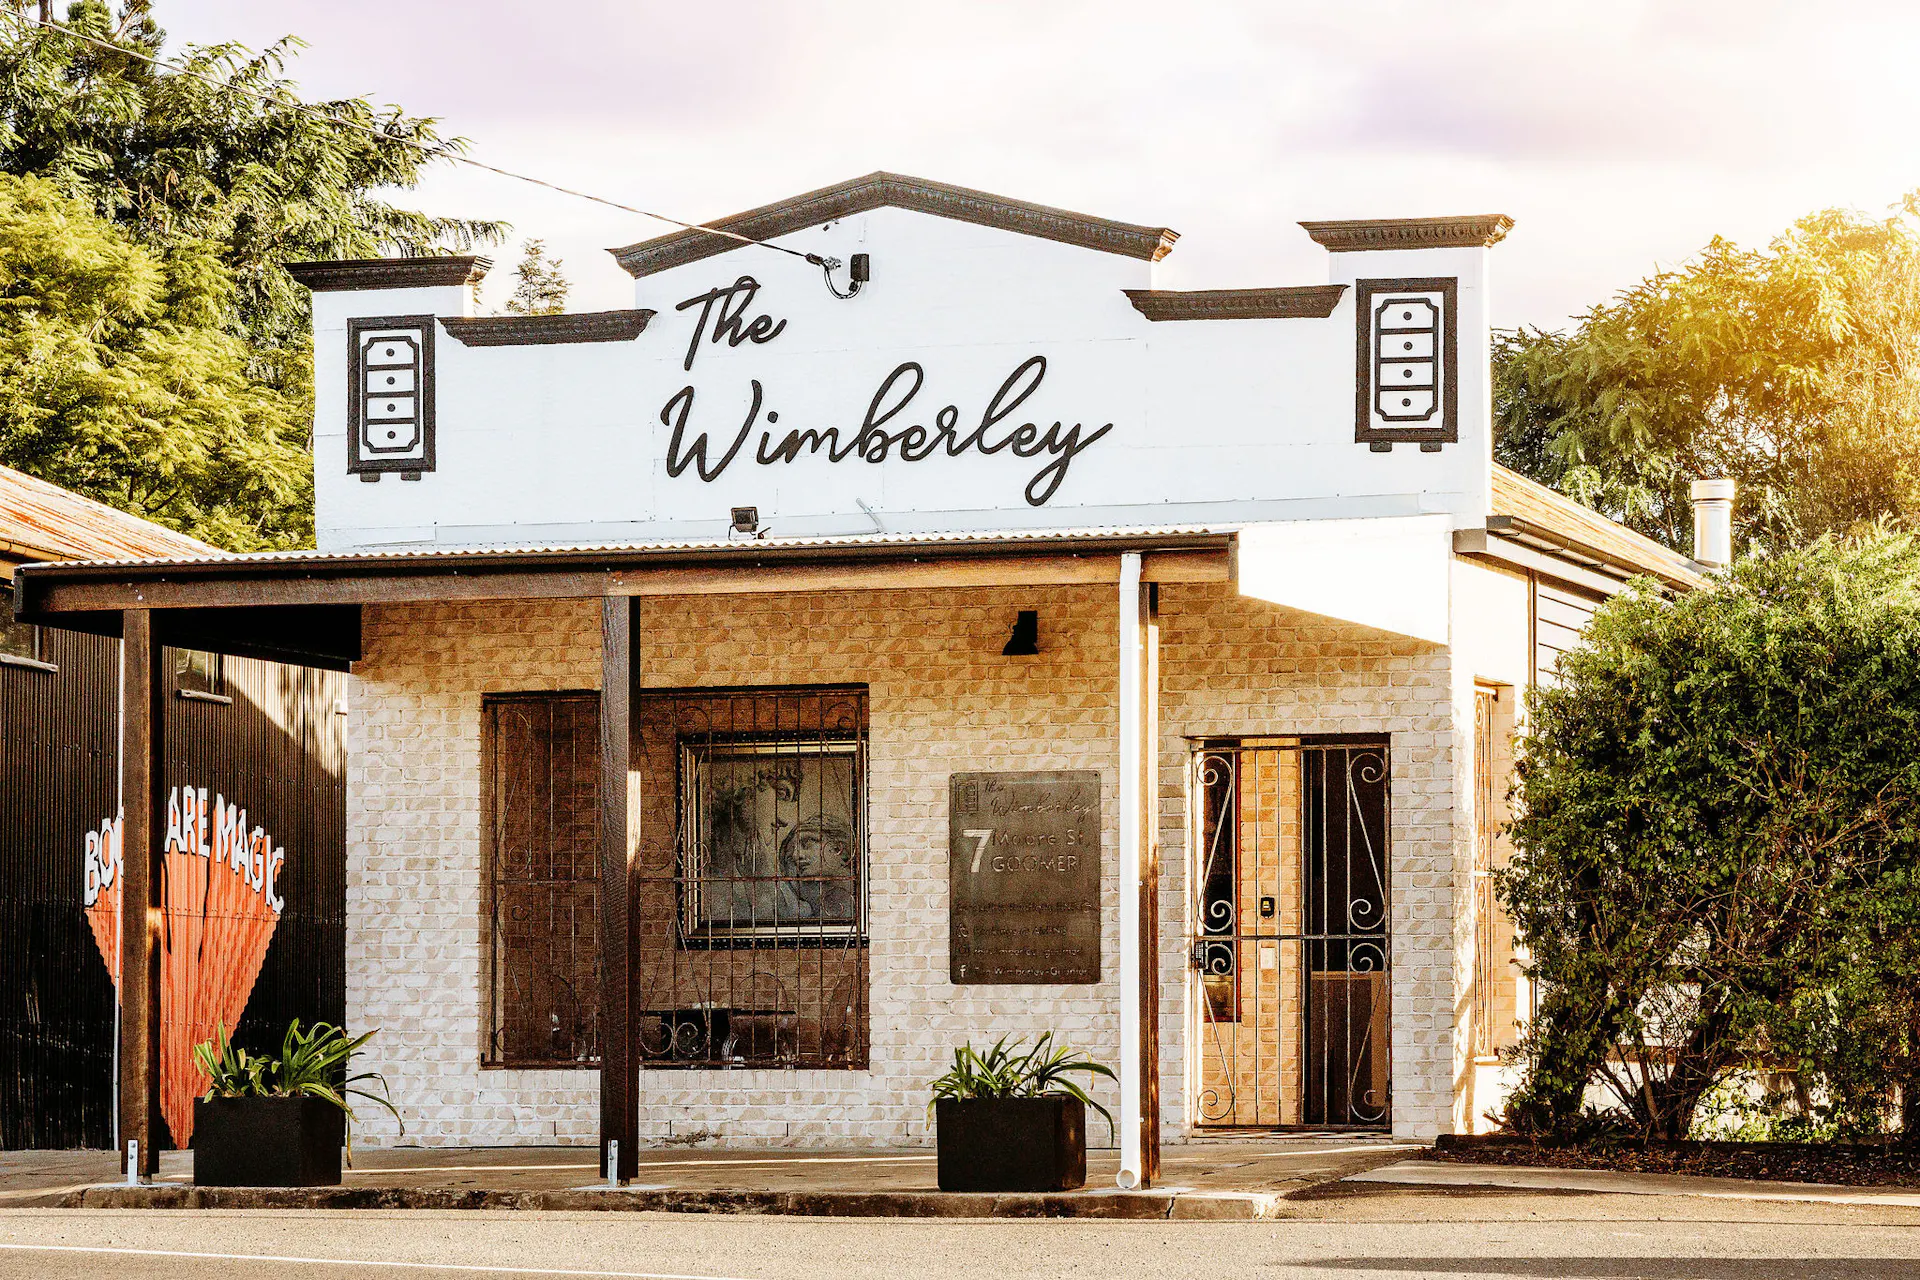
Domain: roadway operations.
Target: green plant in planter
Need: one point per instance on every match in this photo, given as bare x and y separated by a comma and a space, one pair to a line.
312, 1064
1004, 1071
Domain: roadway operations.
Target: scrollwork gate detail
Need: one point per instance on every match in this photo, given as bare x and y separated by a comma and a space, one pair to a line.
1291, 950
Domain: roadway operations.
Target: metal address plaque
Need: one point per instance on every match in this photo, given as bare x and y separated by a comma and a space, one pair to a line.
1023, 877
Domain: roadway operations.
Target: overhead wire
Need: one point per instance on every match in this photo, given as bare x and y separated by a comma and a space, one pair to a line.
827, 264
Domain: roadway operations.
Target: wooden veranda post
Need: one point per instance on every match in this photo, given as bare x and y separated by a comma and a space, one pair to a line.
141, 738
619, 830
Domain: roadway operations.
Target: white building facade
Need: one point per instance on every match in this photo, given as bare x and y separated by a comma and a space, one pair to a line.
910, 630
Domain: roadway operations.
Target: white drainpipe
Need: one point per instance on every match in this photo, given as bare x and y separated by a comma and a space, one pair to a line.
1130, 863
1713, 522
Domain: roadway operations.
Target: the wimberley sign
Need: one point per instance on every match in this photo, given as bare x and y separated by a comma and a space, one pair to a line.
896, 423
1023, 877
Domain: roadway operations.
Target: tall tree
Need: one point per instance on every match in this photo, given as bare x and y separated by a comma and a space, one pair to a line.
1794, 370
540, 285
119, 380
223, 150
216, 167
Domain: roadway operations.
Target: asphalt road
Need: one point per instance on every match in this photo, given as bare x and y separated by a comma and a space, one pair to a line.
1592, 1238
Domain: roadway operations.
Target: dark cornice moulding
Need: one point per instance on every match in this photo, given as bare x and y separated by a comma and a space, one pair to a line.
897, 191
432, 272
535, 331
1471, 231
1296, 302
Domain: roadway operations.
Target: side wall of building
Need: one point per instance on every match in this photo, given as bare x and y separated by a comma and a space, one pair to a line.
1492, 647
942, 700
273, 745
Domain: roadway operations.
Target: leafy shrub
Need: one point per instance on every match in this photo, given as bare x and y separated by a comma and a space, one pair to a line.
313, 1064
1005, 1072
1717, 861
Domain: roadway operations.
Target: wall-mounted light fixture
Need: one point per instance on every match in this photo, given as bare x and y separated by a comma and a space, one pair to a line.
1025, 640
746, 519
859, 271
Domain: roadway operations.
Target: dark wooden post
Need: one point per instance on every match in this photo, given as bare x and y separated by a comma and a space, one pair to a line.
1150, 885
619, 1100
142, 693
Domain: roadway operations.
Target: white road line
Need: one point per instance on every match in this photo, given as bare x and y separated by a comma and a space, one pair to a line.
644, 1164
1339, 1151
464, 1168
358, 1262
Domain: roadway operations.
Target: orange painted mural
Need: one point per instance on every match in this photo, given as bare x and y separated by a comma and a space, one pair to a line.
219, 910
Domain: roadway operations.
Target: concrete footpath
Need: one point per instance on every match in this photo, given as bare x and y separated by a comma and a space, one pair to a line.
1448, 1175
1241, 1179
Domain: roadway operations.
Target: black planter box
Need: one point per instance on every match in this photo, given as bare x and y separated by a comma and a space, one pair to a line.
1011, 1144
267, 1142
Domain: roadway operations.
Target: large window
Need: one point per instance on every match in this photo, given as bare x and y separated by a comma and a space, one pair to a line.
540, 797
750, 894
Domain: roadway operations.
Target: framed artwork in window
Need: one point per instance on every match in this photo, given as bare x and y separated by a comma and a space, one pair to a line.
774, 840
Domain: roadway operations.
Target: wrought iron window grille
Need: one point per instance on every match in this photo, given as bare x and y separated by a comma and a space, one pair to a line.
751, 880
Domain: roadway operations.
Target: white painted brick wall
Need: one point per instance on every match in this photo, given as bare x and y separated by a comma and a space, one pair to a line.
942, 700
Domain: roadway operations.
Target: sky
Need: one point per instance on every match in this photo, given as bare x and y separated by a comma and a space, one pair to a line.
1620, 135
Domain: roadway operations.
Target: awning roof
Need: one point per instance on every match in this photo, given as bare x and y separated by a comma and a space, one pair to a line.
304, 606
411, 557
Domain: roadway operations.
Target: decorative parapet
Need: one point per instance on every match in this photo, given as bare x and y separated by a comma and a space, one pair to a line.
893, 190
533, 331
1471, 231
1311, 302
436, 271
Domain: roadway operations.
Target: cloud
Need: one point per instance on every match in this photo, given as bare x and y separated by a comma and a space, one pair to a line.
1620, 135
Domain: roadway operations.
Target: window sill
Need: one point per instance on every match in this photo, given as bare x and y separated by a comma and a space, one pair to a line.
571, 1065
31, 664
195, 695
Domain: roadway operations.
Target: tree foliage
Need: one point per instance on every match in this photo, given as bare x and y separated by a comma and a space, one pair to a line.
540, 284
208, 178
118, 379
1794, 370
1718, 850
223, 150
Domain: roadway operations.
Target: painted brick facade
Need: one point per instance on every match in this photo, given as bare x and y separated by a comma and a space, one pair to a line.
942, 700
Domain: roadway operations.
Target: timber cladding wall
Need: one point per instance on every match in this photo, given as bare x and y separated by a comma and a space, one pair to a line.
276, 748
942, 700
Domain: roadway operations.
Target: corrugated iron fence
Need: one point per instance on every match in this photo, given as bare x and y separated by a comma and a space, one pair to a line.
261, 735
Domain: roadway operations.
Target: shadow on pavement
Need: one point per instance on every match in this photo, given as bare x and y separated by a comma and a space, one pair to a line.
1635, 1268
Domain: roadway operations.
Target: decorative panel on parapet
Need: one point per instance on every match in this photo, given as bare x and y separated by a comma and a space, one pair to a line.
390, 396
1408, 366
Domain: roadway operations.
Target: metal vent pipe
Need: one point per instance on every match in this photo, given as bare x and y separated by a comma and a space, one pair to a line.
1713, 522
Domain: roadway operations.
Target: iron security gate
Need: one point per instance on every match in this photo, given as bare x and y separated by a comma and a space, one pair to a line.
1291, 952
